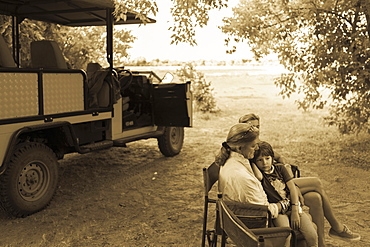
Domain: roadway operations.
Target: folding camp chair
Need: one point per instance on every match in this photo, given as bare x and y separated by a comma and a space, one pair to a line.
210, 175
242, 236
253, 216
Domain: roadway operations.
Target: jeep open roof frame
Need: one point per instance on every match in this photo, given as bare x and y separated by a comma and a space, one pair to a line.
67, 13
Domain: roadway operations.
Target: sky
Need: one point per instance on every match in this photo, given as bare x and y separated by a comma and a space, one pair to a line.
153, 40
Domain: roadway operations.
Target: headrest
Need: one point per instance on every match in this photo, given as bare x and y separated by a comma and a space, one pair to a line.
47, 54
6, 59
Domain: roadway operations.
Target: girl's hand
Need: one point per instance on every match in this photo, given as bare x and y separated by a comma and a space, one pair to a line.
295, 221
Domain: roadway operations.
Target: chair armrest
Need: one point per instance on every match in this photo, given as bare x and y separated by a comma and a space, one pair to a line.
253, 216
272, 230
275, 236
248, 209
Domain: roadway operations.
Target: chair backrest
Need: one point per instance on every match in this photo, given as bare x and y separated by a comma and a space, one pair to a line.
234, 227
47, 54
210, 175
6, 59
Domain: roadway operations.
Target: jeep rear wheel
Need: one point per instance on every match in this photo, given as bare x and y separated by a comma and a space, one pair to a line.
30, 180
170, 143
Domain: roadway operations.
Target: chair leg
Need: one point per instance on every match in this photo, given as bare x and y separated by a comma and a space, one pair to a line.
223, 239
214, 244
212, 238
205, 223
294, 241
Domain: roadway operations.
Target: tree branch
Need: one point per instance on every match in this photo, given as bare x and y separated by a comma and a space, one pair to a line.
335, 14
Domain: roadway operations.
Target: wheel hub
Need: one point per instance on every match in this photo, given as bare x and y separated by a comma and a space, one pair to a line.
174, 136
32, 182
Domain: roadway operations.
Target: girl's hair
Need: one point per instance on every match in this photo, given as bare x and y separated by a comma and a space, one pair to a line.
239, 135
249, 117
264, 149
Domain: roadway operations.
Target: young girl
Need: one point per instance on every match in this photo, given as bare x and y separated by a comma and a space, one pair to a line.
278, 185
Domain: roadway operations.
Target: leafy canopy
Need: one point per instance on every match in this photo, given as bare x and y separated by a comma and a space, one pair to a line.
189, 14
324, 44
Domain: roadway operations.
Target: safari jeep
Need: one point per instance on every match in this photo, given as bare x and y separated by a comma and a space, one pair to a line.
49, 110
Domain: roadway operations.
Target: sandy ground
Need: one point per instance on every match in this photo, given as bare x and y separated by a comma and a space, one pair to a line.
134, 196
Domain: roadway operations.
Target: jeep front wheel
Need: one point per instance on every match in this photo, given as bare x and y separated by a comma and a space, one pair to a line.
30, 180
170, 143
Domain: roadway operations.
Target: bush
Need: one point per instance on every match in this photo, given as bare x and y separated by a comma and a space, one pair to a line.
202, 91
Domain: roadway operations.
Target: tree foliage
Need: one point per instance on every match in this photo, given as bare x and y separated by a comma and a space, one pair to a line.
142, 8
324, 44
202, 90
189, 14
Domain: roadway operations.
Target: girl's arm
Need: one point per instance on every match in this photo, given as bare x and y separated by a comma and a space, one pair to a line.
295, 204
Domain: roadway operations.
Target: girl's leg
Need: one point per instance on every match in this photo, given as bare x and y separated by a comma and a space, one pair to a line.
308, 229
283, 221
307, 184
314, 201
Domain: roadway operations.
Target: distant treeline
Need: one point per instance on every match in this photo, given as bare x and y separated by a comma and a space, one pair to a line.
141, 61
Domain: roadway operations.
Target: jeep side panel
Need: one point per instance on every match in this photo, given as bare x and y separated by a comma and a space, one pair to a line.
32, 97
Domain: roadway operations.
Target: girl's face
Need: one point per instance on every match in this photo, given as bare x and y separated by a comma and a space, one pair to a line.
264, 163
248, 149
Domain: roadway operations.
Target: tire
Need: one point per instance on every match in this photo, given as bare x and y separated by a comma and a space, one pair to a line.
170, 143
30, 180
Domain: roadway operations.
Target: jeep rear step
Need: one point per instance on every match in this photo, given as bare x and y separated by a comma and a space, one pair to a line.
96, 146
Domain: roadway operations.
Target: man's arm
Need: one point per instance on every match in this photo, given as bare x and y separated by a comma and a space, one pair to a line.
246, 189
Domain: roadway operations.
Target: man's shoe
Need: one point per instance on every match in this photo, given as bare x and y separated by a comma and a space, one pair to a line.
346, 234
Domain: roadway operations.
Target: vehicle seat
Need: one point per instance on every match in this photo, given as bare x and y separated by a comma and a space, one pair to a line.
6, 59
47, 54
140, 87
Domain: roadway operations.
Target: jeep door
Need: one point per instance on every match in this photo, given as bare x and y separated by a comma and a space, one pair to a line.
172, 104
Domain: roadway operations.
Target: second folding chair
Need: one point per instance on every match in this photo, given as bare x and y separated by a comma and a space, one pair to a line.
210, 175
